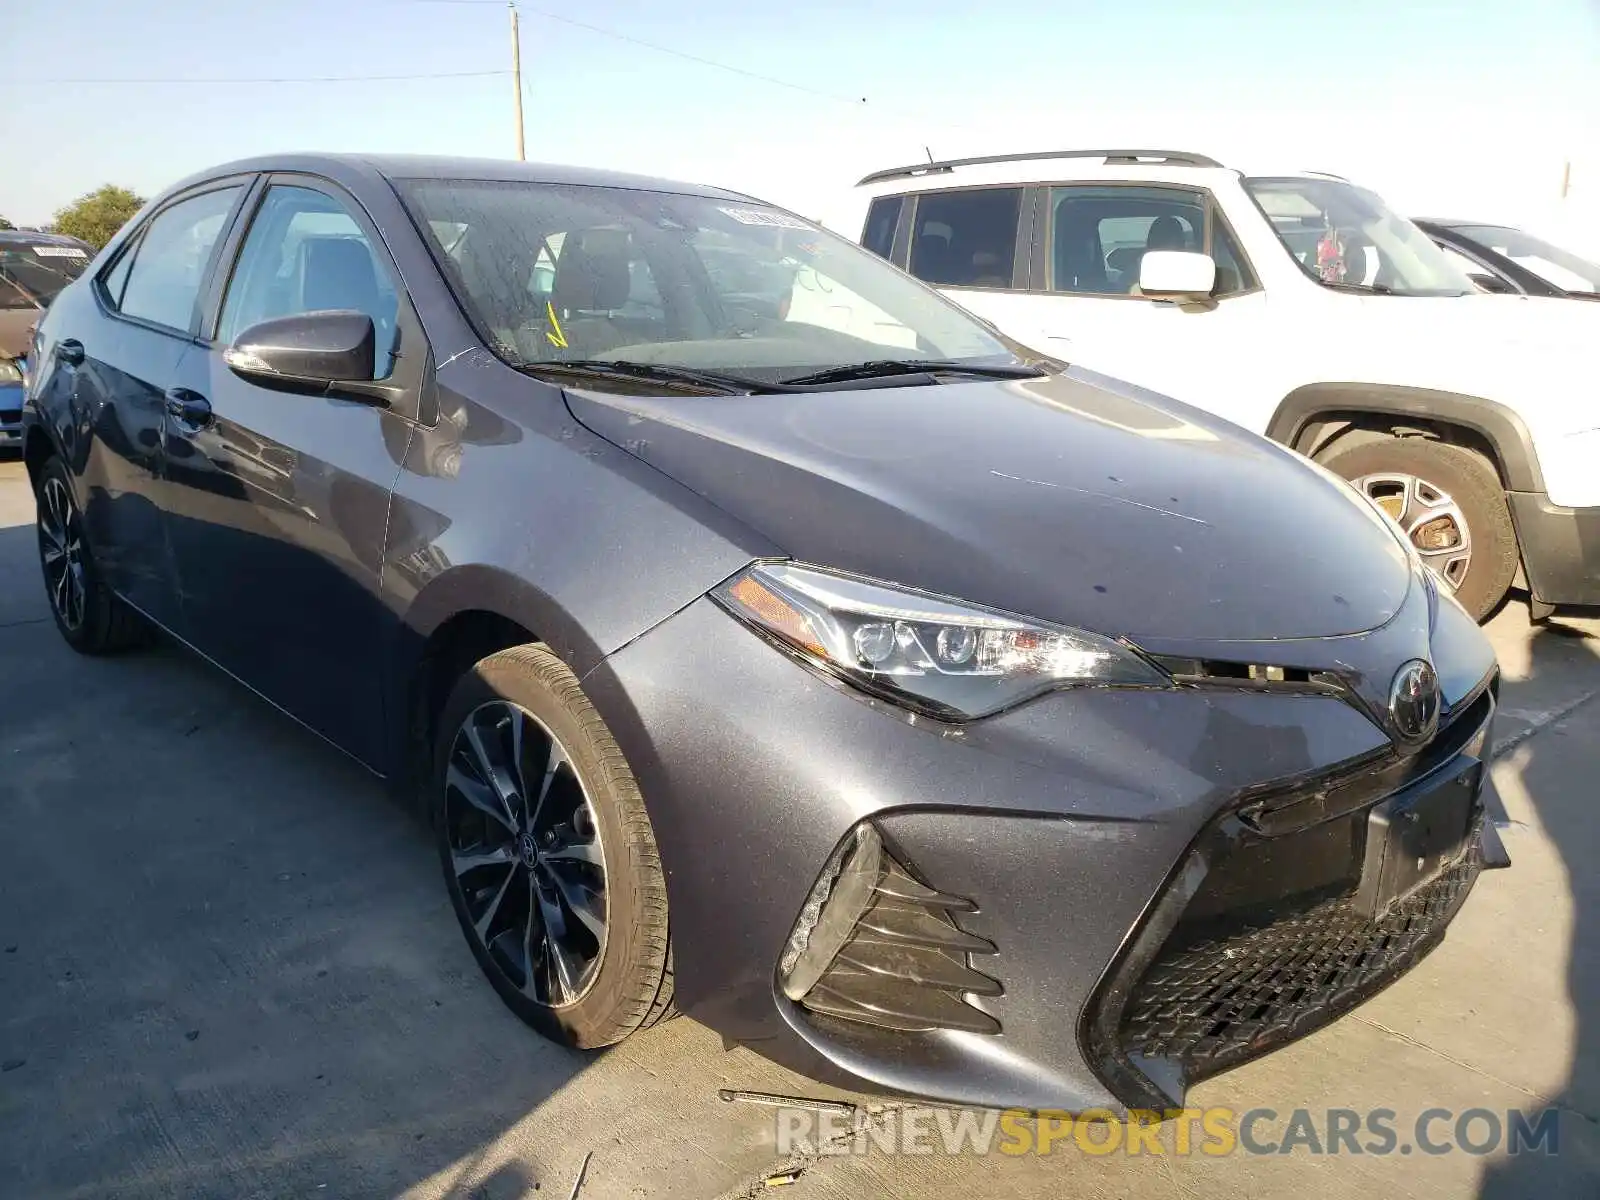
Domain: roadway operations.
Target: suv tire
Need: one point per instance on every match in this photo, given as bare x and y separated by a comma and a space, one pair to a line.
1440, 494
567, 858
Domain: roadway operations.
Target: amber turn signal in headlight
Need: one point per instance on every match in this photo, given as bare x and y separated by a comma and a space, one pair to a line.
944, 657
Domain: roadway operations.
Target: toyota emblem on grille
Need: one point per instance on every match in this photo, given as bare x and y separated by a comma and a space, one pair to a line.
1414, 701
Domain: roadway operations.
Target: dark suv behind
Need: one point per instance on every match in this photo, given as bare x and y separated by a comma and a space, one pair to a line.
34, 267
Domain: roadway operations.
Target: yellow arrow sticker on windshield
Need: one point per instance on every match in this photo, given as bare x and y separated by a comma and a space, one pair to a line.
557, 338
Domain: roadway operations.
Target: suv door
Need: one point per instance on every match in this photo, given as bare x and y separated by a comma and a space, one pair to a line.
1090, 241
278, 532
972, 244
116, 367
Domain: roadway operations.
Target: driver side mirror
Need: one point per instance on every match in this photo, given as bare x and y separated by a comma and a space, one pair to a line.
306, 352
1177, 275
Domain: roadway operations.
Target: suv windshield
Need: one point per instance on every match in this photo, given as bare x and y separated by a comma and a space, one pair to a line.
32, 273
561, 273
1344, 236
1550, 263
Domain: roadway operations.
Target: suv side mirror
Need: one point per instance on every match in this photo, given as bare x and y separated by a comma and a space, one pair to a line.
306, 351
1491, 283
1176, 275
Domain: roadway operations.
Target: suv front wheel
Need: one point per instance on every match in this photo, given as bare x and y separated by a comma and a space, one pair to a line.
1449, 503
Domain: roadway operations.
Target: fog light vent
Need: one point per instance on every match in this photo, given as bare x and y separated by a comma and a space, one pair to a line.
875, 945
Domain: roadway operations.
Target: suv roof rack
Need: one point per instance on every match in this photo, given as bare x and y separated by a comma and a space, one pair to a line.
1173, 158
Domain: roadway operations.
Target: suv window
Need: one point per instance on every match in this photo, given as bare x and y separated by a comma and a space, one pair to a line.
170, 262
882, 219
1099, 235
306, 253
966, 238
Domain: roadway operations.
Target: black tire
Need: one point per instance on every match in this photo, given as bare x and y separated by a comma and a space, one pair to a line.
90, 616
1469, 481
630, 986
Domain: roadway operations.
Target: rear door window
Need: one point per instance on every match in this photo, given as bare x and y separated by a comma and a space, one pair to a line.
966, 238
172, 257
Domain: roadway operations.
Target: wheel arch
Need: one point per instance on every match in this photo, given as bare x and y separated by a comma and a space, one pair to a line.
460, 617
37, 449
1306, 413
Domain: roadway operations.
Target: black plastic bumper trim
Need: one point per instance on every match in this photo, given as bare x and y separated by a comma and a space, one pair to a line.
1560, 549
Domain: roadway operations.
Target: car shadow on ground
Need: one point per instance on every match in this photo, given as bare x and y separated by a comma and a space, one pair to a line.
229, 967
1562, 803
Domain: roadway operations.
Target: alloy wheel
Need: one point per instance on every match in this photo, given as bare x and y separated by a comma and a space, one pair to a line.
61, 550
1431, 520
525, 849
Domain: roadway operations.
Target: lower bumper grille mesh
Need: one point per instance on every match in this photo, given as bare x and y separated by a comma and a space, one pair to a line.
1213, 1004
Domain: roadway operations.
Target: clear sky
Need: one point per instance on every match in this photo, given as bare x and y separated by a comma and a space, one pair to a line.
1470, 107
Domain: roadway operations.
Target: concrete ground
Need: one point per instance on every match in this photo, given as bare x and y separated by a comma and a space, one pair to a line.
229, 969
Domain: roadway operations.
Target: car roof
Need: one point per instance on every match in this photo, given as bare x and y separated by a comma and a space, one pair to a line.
28, 237
421, 166
1448, 223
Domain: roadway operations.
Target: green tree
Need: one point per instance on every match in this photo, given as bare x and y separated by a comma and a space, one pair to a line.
96, 217
5, 224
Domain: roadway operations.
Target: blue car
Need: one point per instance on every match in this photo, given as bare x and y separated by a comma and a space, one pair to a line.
33, 268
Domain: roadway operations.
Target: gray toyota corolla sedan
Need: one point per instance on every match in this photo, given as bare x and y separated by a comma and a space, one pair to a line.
766, 638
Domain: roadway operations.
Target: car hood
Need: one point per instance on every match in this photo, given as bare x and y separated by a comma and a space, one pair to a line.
1071, 498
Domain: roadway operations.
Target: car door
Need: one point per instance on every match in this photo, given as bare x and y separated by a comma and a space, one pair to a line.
279, 528
116, 367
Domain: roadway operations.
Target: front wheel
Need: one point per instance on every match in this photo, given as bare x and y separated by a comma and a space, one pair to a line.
548, 853
1450, 505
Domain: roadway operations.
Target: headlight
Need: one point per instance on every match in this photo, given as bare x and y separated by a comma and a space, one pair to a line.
952, 660
10, 372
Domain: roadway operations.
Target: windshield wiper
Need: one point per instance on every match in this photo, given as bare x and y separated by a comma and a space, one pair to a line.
884, 367
595, 368
1371, 289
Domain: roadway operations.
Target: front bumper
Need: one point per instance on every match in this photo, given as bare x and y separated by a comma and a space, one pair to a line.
1082, 825
1560, 549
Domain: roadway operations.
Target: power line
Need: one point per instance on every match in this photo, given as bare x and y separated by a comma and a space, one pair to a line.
618, 35
268, 79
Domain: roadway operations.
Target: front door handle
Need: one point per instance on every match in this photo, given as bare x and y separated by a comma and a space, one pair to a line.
70, 351
189, 409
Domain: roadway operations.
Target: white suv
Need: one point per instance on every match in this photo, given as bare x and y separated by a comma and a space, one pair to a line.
1297, 305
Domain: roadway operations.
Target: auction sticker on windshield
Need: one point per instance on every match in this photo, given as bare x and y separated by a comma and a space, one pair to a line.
58, 252
757, 216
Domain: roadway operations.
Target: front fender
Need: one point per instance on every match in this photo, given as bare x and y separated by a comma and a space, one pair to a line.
1502, 427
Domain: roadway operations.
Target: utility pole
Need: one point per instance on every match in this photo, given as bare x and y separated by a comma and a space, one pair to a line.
1566, 178
516, 78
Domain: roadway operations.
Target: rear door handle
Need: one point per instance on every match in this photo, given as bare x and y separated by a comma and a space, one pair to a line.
190, 409
70, 351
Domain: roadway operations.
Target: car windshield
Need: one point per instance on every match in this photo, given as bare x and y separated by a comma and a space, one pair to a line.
558, 273
1550, 263
1346, 237
32, 273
